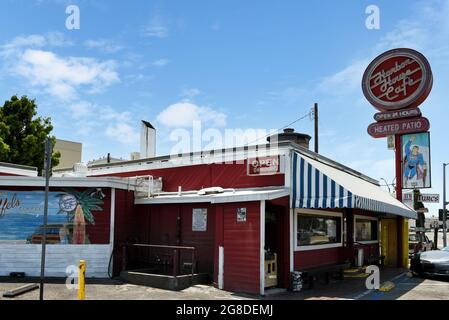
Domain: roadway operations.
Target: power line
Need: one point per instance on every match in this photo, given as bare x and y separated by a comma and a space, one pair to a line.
284, 127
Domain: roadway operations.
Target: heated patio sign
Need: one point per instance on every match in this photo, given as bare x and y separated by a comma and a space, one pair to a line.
387, 128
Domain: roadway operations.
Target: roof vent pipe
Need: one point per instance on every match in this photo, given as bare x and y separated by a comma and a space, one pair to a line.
147, 140
289, 134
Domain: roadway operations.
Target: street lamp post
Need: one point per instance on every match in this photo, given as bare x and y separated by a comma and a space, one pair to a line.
386, 184
444, 206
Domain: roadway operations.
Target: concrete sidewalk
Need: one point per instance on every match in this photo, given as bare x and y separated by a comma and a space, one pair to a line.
351, 288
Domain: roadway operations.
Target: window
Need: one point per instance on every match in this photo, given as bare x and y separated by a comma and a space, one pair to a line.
318, 230
366, 229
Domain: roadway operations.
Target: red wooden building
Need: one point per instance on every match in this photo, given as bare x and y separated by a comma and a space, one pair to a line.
239, 207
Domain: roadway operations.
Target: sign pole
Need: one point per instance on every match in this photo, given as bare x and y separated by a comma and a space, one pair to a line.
399, 227
398, 156
47, 169
444, 207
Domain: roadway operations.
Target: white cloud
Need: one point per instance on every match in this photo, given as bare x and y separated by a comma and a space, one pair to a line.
184, 114
104, 45
30, 58
122, 132
190, 92
82, 109
90, 117
346, 80
160, 63
18, 44
62, 76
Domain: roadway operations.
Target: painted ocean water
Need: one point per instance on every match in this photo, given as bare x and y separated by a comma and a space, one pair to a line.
22, 213
19, 226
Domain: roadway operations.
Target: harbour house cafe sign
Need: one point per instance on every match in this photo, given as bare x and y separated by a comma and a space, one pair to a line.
396, 83
397, 79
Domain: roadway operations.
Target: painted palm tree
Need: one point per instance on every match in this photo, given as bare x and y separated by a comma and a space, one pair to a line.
86, 202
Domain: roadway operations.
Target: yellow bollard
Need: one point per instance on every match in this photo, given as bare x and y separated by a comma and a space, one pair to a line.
81, 280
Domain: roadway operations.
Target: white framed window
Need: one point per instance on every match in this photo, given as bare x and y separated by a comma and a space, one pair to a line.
317, 229
366, 229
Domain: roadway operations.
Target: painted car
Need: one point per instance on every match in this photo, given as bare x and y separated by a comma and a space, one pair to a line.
434, 262
418, 242
53, 234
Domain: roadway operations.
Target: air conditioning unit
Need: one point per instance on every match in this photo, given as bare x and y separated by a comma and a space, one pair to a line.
80, 170
147, 186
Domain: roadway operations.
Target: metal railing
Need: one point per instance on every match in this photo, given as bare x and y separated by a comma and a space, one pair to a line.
163, 258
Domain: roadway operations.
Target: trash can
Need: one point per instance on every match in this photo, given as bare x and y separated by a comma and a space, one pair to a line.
296, 281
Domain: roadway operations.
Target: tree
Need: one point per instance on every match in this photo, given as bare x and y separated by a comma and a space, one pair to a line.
23, 133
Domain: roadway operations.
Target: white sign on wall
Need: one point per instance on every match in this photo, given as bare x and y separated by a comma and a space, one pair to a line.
424, 197
241, 215
199, 220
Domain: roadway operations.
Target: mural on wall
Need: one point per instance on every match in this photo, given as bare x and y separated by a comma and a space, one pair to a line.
69, 211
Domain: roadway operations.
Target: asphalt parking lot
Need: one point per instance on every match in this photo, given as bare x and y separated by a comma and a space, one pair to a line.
405, 288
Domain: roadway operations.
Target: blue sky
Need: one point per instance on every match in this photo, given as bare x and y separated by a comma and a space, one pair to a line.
230, 64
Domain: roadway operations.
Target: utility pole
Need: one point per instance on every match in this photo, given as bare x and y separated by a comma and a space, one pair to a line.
315, 114
47, 170
445, 203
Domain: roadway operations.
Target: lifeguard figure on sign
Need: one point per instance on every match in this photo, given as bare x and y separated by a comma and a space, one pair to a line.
415, 167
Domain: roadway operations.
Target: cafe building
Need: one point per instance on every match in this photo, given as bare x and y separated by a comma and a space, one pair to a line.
246, 218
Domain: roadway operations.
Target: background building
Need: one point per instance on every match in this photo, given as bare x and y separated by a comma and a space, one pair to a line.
70, 153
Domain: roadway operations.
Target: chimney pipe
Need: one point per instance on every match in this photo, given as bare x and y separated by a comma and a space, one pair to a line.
147, 140
289, 134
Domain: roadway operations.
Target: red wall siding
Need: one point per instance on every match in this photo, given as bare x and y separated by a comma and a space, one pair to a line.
99, 233
124, 225
125, 217
202, 240
241, 248
157, 224
315, 258
203, 176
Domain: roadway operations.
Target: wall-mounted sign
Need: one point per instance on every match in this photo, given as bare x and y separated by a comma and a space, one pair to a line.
430, 198
416, 173
397, 79
199, 220
69, 212
391, 143
241, 214
400, 114
407, 197
402, 126
424, 197
264, 166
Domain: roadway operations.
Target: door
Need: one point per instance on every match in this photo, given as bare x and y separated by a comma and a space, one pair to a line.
389, 242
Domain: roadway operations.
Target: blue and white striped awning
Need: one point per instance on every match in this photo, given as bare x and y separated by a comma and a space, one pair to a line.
317, 185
